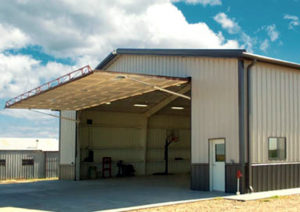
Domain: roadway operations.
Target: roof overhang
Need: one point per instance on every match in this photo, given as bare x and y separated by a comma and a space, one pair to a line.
223, 53
86, 88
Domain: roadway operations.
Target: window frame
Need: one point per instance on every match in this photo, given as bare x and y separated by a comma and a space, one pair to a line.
285, 148
3, 162
27, 162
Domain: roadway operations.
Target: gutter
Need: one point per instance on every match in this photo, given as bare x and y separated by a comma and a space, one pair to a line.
249, 146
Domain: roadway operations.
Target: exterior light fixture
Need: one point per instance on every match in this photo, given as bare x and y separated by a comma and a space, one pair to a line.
177, 108
140, 105
108, 103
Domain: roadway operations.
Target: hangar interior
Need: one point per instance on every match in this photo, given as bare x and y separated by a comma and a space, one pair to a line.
134, 130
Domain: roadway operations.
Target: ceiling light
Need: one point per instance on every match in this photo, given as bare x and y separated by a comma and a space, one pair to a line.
177, 108
140, 105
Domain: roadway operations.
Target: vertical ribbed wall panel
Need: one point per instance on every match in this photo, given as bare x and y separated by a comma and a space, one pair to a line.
14, 169
67, 138
274, 110
214, 96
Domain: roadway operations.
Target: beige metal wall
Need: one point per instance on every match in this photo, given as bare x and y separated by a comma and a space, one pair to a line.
275, 110
127, 137
214, 96
67, 144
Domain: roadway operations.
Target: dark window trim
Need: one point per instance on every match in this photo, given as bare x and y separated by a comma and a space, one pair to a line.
2, 162
285, 148
27, 162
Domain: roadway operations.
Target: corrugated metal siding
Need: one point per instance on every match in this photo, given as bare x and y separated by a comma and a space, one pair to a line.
275, 176
15, 170
274, 110
214, 96
51, 164
67, 138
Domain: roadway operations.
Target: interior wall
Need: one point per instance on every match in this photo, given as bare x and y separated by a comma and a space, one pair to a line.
179, 152
123, 136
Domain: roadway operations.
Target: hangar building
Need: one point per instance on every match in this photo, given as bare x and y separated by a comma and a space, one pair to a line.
227, 110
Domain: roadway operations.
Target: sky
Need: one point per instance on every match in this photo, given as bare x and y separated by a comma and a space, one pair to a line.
42, 40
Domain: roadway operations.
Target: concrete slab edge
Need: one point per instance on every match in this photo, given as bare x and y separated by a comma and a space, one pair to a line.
264, 195
158, 204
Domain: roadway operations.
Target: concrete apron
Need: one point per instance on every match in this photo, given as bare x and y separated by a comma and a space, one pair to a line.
264, 195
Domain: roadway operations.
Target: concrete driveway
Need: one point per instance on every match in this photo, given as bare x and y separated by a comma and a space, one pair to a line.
100, 194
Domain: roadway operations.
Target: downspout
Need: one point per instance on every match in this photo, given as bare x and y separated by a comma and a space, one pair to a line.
249, 146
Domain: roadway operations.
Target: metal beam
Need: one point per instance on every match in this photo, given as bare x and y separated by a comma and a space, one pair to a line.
55, 116
166, 101
159, 88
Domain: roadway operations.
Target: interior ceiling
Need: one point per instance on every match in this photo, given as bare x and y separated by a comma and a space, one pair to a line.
99, 88
150, 99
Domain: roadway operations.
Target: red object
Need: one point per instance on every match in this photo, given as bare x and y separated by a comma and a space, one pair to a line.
106, 166
239, 174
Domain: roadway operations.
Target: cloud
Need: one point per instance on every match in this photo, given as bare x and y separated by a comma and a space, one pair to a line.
227, 23
203, 2
294, 21
12, 37
76, 29
264, 45
272, 32
232, 27
20, 73
29, 114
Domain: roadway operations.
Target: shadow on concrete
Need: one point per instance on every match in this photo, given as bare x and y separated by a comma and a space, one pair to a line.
99, 194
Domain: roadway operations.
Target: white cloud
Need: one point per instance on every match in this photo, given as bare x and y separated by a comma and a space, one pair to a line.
233, 27
20, 73
272, 32
227, 23
203, 2
12, 37
79, 28
264, 45
294, 21
29, 114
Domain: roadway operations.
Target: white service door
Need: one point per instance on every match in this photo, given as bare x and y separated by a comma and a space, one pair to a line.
217, 164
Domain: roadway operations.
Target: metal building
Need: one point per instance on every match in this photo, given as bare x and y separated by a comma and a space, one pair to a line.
26, 158
230, 111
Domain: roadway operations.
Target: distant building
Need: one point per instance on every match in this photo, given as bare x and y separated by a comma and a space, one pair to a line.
25, 158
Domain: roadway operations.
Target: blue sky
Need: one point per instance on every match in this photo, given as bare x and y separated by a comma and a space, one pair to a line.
38, 44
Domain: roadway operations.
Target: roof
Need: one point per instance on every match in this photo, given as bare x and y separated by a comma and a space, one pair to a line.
42, 144
89, 88
224, 53
85, 88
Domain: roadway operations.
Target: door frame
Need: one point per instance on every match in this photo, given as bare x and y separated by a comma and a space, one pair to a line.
210, 165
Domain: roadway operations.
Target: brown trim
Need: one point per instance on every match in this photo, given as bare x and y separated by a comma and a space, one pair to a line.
200, 176
274, 177
231, 180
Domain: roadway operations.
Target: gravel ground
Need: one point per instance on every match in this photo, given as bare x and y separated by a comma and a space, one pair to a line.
283, 203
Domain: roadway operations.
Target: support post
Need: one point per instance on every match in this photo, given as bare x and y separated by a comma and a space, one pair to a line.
144, 140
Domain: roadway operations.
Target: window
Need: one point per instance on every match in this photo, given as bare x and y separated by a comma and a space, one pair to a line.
220, 152
277, 148
27, 162
2, 162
